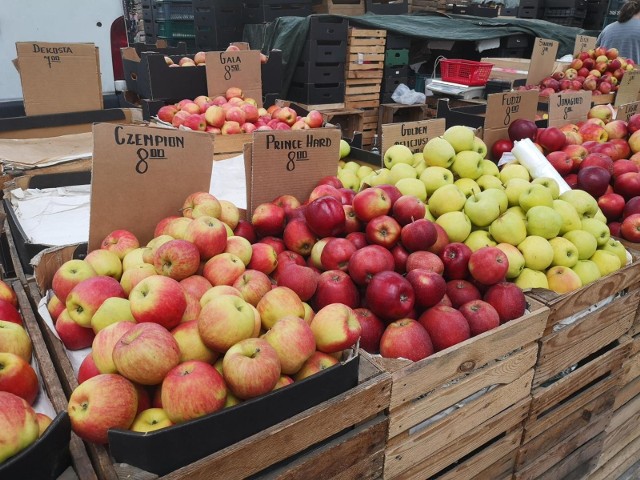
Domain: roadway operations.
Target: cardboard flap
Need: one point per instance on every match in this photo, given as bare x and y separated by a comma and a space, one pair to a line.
414, 135
629, 88
59, 77
289, 161
584, 43
504, 108
626, 111
130, 53
543, 59
569, 107
234, 69
142, 174
47, 263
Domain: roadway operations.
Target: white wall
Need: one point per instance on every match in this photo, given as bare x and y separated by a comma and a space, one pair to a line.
54, 21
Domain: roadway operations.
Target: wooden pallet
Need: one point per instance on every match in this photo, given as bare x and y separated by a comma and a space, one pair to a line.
482, 434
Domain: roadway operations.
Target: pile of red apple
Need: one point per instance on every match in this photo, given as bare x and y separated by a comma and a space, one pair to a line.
20, 425
599, 71
232, 113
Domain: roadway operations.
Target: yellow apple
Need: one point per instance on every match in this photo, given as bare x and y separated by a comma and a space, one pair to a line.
529, 278
438, 153
514, 170
584, 241
515, 257
460, 137
447, 198
537, 252
563, 279
456, 224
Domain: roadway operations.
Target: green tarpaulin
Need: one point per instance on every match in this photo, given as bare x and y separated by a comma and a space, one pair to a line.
290, 33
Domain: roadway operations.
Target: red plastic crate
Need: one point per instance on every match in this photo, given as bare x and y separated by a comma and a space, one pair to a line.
465, 72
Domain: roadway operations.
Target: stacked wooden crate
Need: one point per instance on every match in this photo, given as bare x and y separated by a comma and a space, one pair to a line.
363, 75
577, 376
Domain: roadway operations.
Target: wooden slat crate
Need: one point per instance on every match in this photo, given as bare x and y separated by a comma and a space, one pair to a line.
364, 67
304, 446
349, 120
340, 7
459, 413
427, 5
397, 112
369, 126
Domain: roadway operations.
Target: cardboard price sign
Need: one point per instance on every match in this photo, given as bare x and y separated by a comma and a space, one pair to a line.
241, 69
584, 43
628, 110
504, 108
143, 174
289, 161
543, 59
629, 88
414, 135
568, 107
59, 77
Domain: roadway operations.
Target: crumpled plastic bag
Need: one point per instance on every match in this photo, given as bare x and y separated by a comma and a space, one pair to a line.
406, 96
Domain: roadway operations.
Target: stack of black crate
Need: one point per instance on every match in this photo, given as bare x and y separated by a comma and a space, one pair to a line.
396, 65
596, 13
217, 23
149, 21
569, 13
531, 8
264, 11
319, 75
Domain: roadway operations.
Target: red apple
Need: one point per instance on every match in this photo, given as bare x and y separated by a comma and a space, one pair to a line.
336, 254
335, 286
418, 235
372, 329
429, 287
406, 338
120, 242
371, 203
87, 369
18, 377
158, 299
508, 300
68, 276
551, 139
407, 209
630, 228
18, 425
521, 128
293, 340
245, 229
500, 147
460, 292
627, 185
632, 206
561, 162
455, 257
268, 219
301, 279
368, 261
593, 180
335, 328
481, 316
425, 260
446, 326
73, 335
390, 296
87, 296
441, 242
384, 231
325, 217
251, 368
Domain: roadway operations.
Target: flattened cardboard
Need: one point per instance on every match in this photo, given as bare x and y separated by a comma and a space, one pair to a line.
414, 135
629, 88
234, 69
504, 108
584, 43
143, 174
626, 111
289, 161
569, 107
59, 77
543, 59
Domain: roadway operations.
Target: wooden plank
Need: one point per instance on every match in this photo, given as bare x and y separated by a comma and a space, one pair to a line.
578, 464
295, 435
371, 59
500, 470
371, 74
622, 429
618, 465
626, 393
13, 252
363, 97
361, 90
428, 464
631, 368
587, 335
322, 107
360, 448
365, 66
365, 49
362, 104
409, 449
354, 82
497, 373
363, 32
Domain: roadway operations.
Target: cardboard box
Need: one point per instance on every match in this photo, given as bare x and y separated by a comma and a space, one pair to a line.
414, 135
241, 69
59, 77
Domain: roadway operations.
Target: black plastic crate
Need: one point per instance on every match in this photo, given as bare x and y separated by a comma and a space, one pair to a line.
231, 15
532, 3
527, 11
174, 10
309, 72
316, 93
482, 11
497, 86
396, 71
395, 41
566, 4
272, 73
262, 11
171, 29
386, 98
325, 27
565, 12
509, 52
387, 8
216, 39
390, 84
566, 21
148, 12
519, 40
509, 12
180, 49
317, 51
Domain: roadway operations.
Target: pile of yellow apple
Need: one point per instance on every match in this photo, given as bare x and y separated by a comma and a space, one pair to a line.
554, 241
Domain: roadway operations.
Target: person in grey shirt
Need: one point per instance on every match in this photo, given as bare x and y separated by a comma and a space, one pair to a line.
625, 33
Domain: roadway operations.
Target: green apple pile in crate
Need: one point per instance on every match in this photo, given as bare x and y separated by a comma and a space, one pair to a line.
553, 241
20, 424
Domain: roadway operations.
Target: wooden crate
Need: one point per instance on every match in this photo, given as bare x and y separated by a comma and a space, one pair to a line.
568, 414
364, 67
350, 120
485, 381
397, 113
340, 7
369, 126
304, 446
427, 5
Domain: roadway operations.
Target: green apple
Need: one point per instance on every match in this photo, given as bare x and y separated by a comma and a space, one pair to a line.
543, 221
587, 271
351, 166
500, 197
509, 228
514, 170
349, 179
529, 278
514, 188
428, 215
417, 158
345, 149
585, 204
535, 196
400, 171
460, 137
607, 262
489, 181
467, 164
614, 246
447, 198
469, 187
584, 241
363, 171
341, 163
550, 183
598, 229
600, 216
563, 279
515, 257
565, 253
481, 209
478, 239
490, 168
397, 154
435, 177
519, 211
438, 153
380, 177
456, 224
570, 218
479, 146
537, 252
420, 167
412, 186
